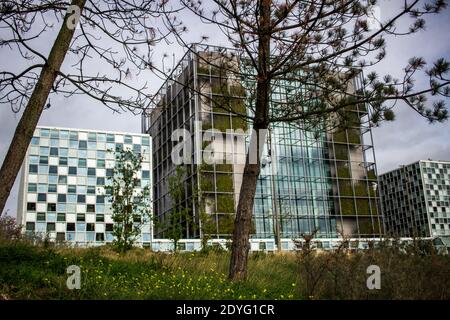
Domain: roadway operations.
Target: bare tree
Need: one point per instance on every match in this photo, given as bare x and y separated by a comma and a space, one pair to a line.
104, 43
320, 46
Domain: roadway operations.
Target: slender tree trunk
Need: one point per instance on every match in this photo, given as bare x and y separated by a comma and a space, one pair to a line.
28, 122
243, 222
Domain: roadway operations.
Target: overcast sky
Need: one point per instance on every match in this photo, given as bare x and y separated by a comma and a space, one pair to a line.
403, 141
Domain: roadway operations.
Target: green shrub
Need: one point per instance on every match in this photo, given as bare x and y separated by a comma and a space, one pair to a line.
225, 104
225, 167
225, 203
207, 182
237, 90
207, 70
239, 123
361, 189
225, 224
341, 152
340, 136
221, 88
362, 205
342, 171
203, 69
353, 119
207, 167
222, 122
9, 229
371, 175
345, 188
374, 207
206, 125
347, 206
224, 182
354, 136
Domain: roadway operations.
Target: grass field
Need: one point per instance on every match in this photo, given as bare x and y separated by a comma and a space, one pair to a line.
39, 272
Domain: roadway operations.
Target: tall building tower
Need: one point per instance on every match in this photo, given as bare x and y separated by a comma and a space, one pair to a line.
324, 181
416, 199
62, 191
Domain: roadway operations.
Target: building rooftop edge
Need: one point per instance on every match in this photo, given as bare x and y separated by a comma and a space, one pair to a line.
92, 130
410, 164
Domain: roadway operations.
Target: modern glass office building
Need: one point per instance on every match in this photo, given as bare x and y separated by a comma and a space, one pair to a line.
416, 199
62, 191
323, 181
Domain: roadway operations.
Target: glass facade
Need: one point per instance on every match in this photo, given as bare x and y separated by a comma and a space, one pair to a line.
63, 184
324, 181
297, 176
416, 199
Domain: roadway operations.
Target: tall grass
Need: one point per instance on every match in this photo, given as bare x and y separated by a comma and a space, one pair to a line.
30, 271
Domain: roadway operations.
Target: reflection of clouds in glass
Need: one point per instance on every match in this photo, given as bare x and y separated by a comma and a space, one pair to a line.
374, 17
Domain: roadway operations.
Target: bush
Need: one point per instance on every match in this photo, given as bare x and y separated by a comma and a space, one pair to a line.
225, 167
341, 152
371, 175
354, 136
239, 123
224, 182
9, 229
342, 171
222, 122
407, 272
347, 206
345, 188
225, 203
207, 182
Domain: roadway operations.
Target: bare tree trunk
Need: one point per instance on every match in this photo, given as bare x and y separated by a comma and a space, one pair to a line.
243, 222
27, 124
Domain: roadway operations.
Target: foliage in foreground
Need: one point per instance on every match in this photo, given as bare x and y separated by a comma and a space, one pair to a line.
130, 203
35, 272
